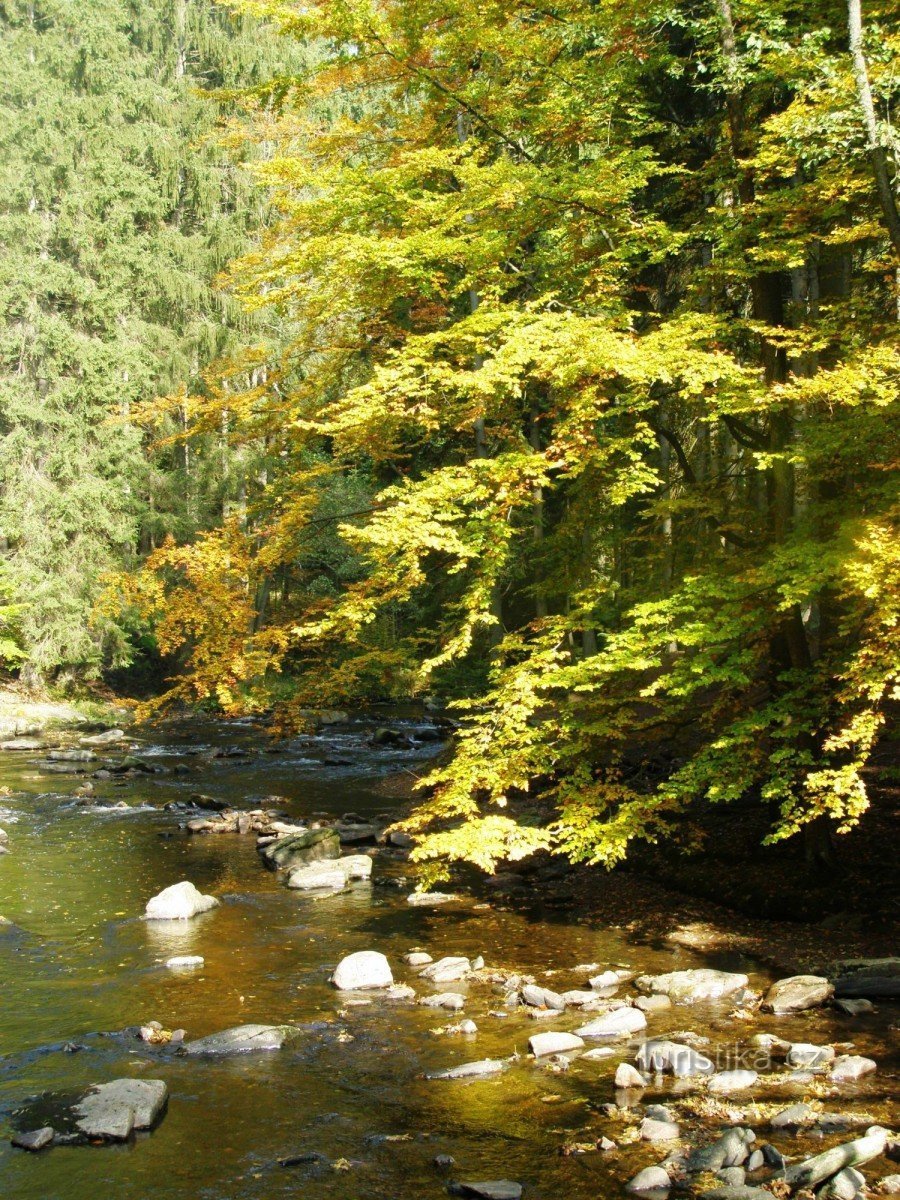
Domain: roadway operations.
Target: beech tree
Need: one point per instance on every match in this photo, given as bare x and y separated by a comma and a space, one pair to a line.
601, 301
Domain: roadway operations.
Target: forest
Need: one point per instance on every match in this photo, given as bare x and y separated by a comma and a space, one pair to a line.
539, 363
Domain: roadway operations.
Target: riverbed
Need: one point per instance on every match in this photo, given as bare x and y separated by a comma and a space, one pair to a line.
79, 964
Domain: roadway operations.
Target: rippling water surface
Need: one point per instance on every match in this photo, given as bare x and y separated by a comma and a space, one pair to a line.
79, 962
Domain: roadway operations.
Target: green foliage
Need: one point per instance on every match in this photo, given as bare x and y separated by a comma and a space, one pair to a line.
600, 301
117, 212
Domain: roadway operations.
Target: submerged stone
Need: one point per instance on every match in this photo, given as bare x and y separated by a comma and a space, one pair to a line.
243, 1039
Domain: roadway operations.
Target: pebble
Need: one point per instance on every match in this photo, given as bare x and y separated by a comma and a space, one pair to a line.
34, 1139
185, 962
417, 958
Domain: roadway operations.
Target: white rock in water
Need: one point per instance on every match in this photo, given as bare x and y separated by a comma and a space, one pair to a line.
687, 987
606, 979
107, 738
851, 1066
653, 1130
112, 1111
178, 903
451, 1000
661, 1054
417, 958
364, 969
424, 899
732, 1081
185, 962
596, 1055
651, 1179
542, 1044
356, 866
446, 970
318, 876
803, 1054
628, 1076
797, 993
621, 1022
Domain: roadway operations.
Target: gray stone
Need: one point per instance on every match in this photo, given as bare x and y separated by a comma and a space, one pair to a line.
605, 980
653, 1004
364, 969
851, 1066
889, 1185
417, 958
539, 997
872, 977
427, 899
578, 998
179, 902
793, 1117
244, 1039
71, 756
400, 991
659, 1131
602, 1052
184, 962
846, 1185
472, 1070
756, 1161
742, 1192
108, 738
451, 1000
112, 1111
628, 1076
324, 875
542, 1044
724, 1082
446, 970
809, 1057
688, 987
651, 1179
854, 1008
621, 1022
489, 1189
732, 1176
730, 1150
797, 993
660, 1054
299, 849
34, 1139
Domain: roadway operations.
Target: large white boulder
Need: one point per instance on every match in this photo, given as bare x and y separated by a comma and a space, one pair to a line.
178, 903
364, 969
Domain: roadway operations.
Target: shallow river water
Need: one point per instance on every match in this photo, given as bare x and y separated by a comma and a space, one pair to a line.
79, 961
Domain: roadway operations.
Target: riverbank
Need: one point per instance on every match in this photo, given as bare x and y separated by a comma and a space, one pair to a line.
26, 714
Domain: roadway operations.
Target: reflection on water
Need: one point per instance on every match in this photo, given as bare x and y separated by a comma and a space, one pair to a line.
80, 963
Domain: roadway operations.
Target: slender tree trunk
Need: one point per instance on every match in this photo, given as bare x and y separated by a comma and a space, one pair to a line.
877, 149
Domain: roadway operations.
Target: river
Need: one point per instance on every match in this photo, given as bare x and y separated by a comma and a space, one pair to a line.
79, 962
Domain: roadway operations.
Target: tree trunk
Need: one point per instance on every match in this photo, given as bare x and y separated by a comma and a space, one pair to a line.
878, 152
